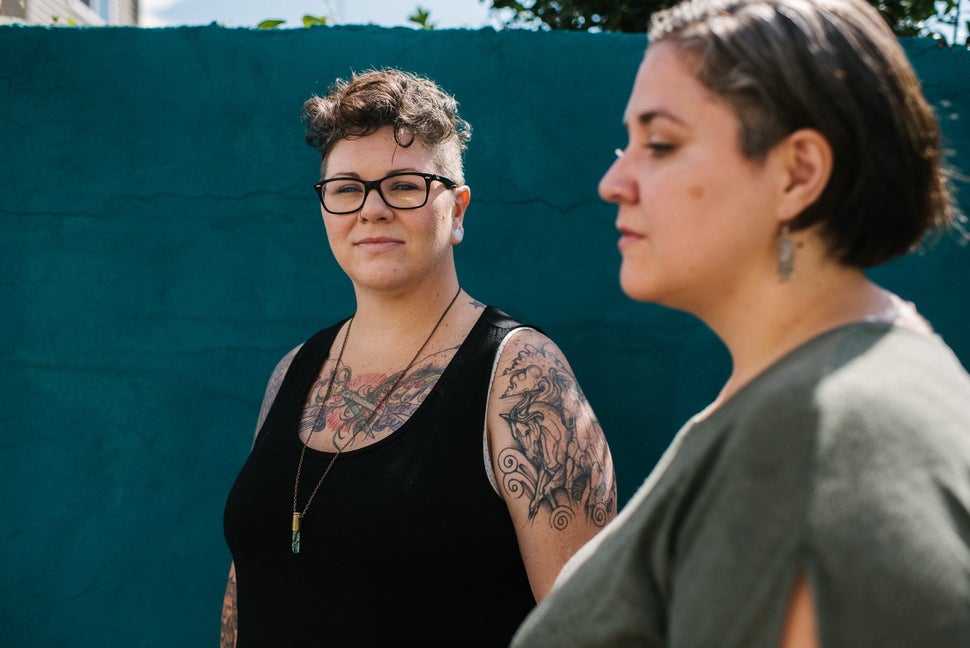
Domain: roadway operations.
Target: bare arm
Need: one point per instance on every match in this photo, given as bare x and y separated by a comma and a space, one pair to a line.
229, 612
801, 627
550, 456
229, 621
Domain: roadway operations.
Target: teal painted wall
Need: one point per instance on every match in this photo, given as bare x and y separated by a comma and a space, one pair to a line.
162, 248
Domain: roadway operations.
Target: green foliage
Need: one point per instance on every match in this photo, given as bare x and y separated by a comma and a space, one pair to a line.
70, 22
308, 21
906, 17
271, 23
421, 17
314, 21
581, 15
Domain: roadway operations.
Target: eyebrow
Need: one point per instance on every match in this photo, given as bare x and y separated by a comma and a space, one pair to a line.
644, 118
354, 174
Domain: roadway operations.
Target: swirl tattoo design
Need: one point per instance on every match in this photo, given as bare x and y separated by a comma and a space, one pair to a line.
559, 460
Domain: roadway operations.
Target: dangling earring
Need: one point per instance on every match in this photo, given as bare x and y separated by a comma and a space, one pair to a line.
786, 254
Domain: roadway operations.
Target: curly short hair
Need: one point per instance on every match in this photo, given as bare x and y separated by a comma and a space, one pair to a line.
414, 106
833, 66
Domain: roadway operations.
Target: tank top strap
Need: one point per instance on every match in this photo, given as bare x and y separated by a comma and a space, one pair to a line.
501, 323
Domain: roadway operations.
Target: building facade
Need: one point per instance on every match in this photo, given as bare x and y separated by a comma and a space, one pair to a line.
65, 12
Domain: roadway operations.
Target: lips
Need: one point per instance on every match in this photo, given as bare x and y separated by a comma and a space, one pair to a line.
378, 243
627, 237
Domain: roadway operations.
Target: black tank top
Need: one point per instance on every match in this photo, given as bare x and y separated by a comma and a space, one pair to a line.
406, 541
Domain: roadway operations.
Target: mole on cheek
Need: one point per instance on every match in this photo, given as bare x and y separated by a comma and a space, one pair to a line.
697, 191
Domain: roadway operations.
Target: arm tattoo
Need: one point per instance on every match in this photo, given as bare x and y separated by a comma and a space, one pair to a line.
273, 388
560, 460
229, 615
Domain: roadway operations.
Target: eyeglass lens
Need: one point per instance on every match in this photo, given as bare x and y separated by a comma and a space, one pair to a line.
399, 191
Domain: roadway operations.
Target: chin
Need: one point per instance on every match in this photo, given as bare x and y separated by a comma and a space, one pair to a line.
635, 286
640, 296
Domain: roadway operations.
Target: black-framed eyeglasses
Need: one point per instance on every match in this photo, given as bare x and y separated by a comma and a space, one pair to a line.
409, 190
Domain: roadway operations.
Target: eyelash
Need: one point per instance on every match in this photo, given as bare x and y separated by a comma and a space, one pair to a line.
659, 149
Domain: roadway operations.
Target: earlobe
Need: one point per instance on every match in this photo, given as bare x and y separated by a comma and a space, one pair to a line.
808, 163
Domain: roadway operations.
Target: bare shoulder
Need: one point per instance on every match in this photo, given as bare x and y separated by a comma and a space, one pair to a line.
527, 346
273, 386
549, 454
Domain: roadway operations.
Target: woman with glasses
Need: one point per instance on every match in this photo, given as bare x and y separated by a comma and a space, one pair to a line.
423, 468
777, 149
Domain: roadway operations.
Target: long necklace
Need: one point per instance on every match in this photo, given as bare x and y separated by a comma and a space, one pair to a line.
297, 513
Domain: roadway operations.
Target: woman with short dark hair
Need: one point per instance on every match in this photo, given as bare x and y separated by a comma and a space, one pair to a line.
423, 468
777, 148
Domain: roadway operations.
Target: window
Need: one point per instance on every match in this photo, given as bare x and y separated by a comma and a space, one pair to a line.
101, 7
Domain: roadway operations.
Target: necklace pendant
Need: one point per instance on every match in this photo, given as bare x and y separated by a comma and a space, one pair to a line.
295, 541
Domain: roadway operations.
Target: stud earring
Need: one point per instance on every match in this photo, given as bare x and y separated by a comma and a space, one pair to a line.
786, 254
459, 234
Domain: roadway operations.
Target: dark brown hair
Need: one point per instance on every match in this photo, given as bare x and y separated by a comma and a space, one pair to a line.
414, 106
833, 66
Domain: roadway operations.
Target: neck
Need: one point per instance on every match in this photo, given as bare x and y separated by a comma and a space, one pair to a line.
386, 313
387, 329
772, 320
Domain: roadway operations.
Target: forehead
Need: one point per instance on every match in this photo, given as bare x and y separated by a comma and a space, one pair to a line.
378, 150
666, 85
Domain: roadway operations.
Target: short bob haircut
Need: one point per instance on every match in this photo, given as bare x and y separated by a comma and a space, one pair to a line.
833, 66
414, 106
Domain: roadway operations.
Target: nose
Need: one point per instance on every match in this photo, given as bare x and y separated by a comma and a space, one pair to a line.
374, 207
616, 185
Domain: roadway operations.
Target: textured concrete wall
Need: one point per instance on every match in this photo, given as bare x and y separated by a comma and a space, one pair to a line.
162, 248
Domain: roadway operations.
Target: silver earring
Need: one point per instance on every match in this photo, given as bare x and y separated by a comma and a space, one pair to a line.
786, 254
459, 234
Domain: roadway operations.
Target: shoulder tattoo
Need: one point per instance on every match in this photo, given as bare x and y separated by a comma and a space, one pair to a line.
560, 459
273, 386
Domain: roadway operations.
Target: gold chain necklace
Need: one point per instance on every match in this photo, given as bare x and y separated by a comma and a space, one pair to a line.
298, 514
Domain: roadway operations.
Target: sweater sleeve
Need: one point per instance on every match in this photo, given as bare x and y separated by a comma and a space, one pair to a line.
889, 528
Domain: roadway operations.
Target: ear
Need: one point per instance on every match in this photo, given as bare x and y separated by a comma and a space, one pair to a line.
463, 196
807, 161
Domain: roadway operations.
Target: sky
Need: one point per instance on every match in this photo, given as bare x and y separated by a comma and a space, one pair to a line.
248, 13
